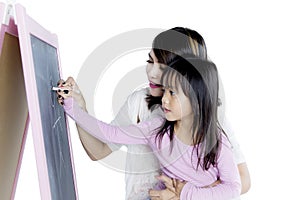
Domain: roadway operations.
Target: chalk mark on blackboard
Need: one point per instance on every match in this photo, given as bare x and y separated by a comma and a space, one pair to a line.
56, 122
62, 164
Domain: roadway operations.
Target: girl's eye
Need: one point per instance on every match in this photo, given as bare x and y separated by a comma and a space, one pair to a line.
149, 61
172, 93
163, 90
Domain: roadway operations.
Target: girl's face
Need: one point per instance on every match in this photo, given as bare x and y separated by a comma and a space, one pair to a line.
154, 71
176, 105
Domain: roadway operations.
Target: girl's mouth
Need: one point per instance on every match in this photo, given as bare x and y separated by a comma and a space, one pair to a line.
154, 85
166, 110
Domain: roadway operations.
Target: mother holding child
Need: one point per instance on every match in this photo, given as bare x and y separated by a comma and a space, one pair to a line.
172, 126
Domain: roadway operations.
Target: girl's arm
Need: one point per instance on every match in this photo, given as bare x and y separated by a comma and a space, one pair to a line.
139, 134
230, 186
94, 148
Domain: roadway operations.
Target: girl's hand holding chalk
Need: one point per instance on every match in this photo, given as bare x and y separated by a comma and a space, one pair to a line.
65, 90
69, 89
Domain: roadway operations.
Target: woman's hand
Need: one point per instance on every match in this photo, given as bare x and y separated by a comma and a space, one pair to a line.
162, 195
173, 188
69, 88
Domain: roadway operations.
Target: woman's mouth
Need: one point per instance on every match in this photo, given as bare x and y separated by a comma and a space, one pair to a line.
154, 85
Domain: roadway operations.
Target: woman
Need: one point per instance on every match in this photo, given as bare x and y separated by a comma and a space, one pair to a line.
140, 105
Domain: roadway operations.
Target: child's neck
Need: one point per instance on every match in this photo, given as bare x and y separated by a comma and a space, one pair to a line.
183, 130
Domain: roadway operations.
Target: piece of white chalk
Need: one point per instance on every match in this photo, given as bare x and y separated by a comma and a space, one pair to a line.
58, 88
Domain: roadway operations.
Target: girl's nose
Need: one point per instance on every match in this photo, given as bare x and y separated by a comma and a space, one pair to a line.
165, 99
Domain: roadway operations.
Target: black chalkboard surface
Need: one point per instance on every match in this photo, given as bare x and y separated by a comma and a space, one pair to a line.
53, 121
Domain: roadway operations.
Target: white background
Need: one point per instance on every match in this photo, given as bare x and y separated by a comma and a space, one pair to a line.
255, 45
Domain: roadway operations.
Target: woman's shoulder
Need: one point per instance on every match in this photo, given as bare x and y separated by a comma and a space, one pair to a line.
138, 95
224, 140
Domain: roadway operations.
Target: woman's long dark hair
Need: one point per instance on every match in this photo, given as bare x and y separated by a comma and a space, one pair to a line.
199, 82
176, 41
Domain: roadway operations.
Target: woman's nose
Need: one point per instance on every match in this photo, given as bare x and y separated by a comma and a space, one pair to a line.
155, 72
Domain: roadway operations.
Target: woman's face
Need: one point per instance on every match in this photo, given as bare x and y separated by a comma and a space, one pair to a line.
154, 71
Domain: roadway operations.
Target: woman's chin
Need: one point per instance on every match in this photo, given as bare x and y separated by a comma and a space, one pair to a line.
156, 92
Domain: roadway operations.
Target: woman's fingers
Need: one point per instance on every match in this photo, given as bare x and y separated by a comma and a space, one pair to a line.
169, 183
165, 179
172, 184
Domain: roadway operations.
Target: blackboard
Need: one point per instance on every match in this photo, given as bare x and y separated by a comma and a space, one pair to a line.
53, 121
41, 66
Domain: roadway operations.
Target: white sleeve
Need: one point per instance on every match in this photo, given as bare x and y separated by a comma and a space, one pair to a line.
237, 152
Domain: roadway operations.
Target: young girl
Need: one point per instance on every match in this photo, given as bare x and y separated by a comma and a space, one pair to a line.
188, 143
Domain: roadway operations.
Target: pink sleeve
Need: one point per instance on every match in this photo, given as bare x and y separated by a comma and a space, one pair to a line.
230, 186
133, 134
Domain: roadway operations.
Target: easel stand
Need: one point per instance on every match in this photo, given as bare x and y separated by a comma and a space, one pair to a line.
29, 67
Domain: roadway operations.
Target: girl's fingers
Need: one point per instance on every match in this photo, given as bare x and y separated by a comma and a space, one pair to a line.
65, 92
64, 87
60, 101
59, 97
70, 82
60, 82
69, 88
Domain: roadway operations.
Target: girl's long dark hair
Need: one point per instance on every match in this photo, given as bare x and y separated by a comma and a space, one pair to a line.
199, 82
176, 41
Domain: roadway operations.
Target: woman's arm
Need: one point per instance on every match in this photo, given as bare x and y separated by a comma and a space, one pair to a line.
238, 156
245, 177
94, 148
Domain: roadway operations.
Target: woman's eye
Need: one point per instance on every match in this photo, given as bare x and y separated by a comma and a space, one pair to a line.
149, 61
163, 90
162, 67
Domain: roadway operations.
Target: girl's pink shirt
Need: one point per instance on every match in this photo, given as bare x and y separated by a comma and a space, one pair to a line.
180, 163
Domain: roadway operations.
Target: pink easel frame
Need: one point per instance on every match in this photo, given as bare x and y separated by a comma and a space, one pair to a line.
26, 26
11, 29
